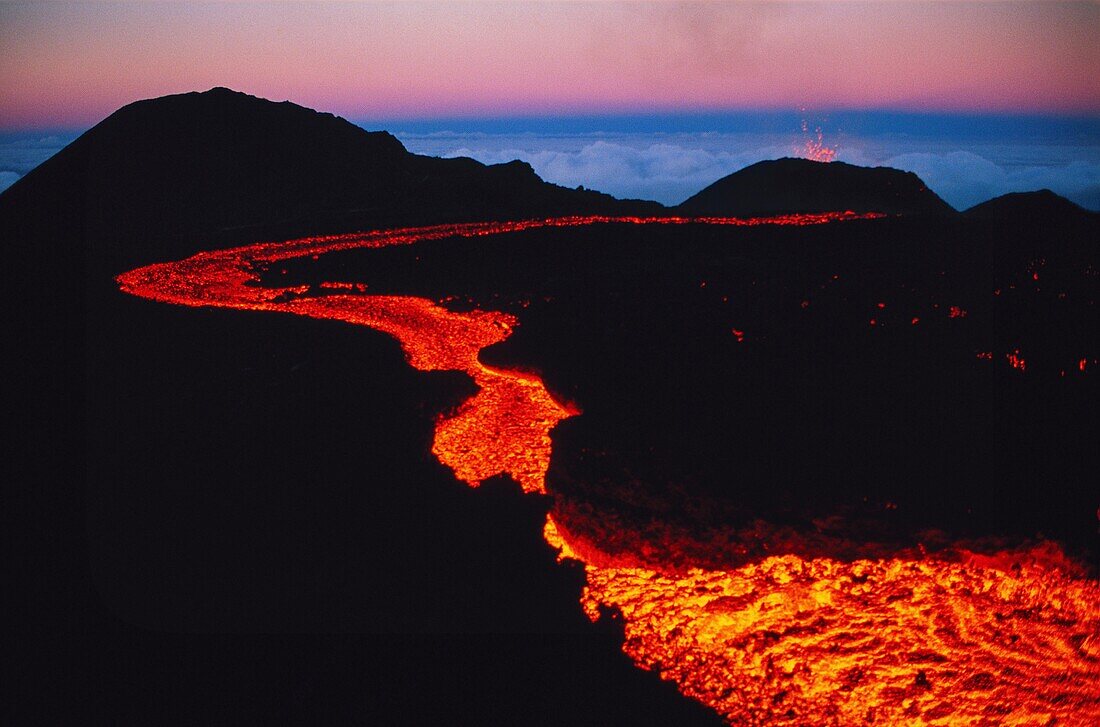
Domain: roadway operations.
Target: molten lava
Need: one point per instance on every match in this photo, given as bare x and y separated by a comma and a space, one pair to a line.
794, 641
1009, 639
505, 428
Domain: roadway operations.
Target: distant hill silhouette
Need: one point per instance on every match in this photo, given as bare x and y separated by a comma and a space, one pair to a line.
800, 185
1042, 206
164, 177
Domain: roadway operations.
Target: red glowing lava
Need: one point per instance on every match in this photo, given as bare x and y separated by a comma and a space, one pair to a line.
505, 427
1008, 639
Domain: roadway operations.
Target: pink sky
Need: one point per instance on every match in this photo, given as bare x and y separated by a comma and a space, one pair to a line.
71, 65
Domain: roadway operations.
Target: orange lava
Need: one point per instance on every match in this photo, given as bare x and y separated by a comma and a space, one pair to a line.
793, 641
505, 427
1009, 639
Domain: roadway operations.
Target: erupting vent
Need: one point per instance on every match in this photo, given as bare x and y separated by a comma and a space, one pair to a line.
814, 147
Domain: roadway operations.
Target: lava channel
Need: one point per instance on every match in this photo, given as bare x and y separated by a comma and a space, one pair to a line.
905, 640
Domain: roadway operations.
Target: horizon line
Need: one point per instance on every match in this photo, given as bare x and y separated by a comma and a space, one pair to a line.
815, 116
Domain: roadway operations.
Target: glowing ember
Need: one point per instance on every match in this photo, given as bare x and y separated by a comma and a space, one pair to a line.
815, 148
787, 640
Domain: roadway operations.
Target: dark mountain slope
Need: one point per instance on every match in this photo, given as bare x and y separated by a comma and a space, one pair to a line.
165, 177
1040, 207
97, 395
800, 185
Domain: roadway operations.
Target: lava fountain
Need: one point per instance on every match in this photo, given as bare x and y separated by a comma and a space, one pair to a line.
815, 148
1011, 638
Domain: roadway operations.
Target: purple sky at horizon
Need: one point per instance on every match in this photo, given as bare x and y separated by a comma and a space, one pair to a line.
69, 65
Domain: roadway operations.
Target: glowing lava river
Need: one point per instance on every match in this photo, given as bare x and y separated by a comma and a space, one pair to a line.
786, 640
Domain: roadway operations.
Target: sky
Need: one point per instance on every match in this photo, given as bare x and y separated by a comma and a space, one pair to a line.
71, 64
651, 100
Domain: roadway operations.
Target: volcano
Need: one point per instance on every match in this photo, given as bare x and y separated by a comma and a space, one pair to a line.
307, 376
802, 185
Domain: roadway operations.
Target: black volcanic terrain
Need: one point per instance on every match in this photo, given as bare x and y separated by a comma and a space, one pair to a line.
238, 513
800, 185
1030, 209
859, 395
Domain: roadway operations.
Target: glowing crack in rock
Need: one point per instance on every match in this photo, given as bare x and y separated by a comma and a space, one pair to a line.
1011, 638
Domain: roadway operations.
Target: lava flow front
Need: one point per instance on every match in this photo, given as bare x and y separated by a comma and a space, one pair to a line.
788, 640
794, 641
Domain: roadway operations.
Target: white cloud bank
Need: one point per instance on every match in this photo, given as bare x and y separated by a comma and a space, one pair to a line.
665, 172
965, 179
671, 168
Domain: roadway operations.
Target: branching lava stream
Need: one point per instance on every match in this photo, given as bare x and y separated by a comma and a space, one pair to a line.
1005, 639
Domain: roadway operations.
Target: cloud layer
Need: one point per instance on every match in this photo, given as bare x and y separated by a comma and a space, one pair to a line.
671, 168
665, 172
965, 179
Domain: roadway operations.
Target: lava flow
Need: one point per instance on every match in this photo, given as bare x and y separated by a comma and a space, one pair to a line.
891, 641
787, 640
505, 427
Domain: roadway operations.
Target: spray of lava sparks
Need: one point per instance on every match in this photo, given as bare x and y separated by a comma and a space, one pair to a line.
1009, 639
815, 147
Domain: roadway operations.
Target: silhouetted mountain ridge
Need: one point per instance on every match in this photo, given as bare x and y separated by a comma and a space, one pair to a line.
165, 177
800, 185
1042, 206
